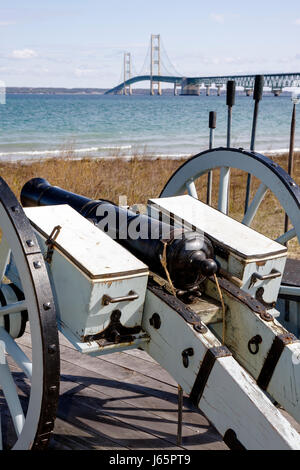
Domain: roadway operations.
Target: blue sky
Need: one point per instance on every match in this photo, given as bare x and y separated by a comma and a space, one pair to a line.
80, 43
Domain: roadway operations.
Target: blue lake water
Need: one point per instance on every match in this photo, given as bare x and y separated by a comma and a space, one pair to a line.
37, 126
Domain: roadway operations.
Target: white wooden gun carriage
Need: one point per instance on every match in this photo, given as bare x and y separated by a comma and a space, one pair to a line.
229, 353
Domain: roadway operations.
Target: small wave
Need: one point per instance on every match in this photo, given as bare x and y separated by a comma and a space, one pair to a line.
62, 151
277, 151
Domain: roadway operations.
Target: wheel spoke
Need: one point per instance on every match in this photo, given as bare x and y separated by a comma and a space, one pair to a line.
285, 237
209, 187
191, 188
12, 399
4, 257
256, 201
16, 307
290, 290
14, 350
224, 189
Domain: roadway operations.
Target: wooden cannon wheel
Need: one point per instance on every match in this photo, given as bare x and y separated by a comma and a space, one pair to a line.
272, 178
29, 387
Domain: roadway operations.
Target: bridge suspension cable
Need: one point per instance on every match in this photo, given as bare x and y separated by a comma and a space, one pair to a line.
145, 70
158, 68
166, 64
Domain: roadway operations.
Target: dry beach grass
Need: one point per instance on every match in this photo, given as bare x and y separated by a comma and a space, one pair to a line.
140, 179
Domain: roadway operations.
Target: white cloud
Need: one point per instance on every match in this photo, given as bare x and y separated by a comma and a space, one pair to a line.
85, 72
297, 21
23, 54
217, 18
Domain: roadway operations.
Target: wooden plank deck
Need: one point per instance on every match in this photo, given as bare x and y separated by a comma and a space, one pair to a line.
123, 401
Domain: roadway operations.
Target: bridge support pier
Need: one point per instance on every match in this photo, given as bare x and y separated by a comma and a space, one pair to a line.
175, 89
219, 89
189, 87
207, 90
155, 63
127, 91
277, 91
248, 91
152, 89
127, 73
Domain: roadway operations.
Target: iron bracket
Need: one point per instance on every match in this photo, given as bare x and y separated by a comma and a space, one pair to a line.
273, 357
185, 312
115, 332
50, 243
212, 354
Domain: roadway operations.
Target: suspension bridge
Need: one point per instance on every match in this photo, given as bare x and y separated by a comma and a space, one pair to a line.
158, 69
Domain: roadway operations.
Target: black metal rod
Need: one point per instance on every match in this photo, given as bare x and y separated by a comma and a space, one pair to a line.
230, 101
257, 96
212, 125
229, 122
291, 158
179, 422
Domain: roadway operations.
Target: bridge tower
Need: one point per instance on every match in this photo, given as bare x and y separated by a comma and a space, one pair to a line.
127, 73
155, 63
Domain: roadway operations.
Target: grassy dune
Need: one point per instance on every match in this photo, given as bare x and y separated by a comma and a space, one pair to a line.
140, 179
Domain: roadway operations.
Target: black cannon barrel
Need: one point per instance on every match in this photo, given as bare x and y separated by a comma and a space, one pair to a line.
189, 254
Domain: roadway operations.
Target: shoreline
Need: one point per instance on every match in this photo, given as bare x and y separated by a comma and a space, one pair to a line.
72, 154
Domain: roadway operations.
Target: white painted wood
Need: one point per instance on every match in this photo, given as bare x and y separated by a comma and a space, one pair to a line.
260, 425
28, 433
290, 290
241, 325
16, 307
231, 399
92, 250
190, 185
9, 390
93, 348
79, 298
248, 251
285, 237
13, 349
246, 242
257, 200
224, 189
271, 287
207, 161
4, 257
86, 265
